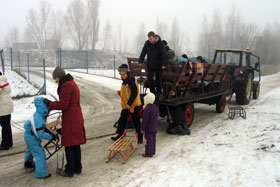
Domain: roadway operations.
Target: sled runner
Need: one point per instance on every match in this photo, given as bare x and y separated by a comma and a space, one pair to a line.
125, 146
236, 110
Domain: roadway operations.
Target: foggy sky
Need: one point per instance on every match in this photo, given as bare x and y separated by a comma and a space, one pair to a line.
131, 13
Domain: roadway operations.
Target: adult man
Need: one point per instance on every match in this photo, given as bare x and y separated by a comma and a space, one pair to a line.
130, 102
73, 131
156, 60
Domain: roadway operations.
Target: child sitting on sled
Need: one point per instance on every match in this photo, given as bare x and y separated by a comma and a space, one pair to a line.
35, 130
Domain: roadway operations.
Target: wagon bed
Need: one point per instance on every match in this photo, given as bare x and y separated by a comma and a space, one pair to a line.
183, 86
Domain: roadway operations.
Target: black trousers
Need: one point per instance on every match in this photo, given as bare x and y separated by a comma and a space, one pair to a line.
7, 138
123, 120
73, 158
150, 76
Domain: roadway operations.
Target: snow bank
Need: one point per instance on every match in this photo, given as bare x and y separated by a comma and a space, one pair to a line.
19, 86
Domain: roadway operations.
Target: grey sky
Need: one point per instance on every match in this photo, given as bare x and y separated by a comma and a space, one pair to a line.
131, 13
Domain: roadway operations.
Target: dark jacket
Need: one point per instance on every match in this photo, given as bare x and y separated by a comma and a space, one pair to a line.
73, 131
156, 54
150, 118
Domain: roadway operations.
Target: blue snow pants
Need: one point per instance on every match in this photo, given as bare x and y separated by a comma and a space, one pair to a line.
35, 148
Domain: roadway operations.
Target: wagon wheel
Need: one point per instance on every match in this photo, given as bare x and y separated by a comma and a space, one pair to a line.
221, 104
189, 114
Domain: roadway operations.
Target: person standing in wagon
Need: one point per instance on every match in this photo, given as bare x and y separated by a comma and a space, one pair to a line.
149, 124
73, 132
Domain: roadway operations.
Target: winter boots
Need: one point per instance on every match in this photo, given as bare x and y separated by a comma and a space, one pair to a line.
179, 129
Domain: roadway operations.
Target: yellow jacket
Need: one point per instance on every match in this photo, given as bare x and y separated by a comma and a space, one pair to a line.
130, 93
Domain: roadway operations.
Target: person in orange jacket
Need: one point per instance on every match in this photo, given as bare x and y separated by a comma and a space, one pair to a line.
130, 102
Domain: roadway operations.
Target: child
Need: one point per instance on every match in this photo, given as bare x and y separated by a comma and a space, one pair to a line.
35, 130
149, 124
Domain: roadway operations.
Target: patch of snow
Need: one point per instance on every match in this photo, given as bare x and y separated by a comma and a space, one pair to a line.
19, 86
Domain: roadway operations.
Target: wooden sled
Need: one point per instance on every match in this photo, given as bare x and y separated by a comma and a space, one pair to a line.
125, 146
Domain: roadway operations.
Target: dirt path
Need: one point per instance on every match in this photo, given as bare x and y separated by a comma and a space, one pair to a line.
100, 114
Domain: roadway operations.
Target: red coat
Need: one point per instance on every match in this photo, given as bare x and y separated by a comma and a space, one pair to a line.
73, 131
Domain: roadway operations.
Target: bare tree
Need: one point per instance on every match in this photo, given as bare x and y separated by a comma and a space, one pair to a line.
93, 11
114, 40
120, 36
37, 22
216, 32
77, 23
175, 37
233, 27
248, 36
125, 44
45, 9
140, 38
161, 29
57, 27
204, 38
12, 36
268, 44
107, 34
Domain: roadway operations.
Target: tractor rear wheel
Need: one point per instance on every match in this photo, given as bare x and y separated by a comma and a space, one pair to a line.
243, 90
256, 89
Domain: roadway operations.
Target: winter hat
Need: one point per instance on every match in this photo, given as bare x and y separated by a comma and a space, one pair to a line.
199, 58
185, 56
123, 67
58, 73
149, 99
164, 42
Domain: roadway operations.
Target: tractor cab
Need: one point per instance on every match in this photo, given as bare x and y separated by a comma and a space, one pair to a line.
244, 70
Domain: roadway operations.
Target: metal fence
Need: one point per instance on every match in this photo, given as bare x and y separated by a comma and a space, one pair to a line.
28, 65
91, 62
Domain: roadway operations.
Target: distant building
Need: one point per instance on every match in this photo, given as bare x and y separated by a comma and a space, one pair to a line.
51, 45
25, 46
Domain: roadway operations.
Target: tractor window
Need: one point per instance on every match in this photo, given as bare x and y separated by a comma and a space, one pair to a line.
243, 60
228, 58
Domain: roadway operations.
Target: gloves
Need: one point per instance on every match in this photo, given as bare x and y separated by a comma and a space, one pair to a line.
47, 102
46, 130
58, 131
54, 137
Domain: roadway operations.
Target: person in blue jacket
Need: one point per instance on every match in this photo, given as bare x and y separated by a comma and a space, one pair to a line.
36, 130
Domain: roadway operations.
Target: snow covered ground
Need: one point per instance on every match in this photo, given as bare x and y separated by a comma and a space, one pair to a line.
239, 152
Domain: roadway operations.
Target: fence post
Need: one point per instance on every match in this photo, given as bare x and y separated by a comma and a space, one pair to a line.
2, 61
114, 66
87, 60
44, 69
60, 58
56, 52
28, 67
19, 62
11, 55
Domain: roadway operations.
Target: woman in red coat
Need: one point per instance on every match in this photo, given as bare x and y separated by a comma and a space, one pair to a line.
73, 131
